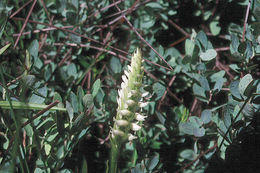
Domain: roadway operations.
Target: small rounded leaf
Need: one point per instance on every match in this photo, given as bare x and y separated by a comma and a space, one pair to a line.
206, 116
152, 162
188, 154
88, 100
199, 131
244, 83
208, 55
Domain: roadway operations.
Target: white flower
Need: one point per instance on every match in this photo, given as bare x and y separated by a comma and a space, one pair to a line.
121, 122
117, 132
125, 112
124, 79
143, 104
131, 137
135, 127
130, 102
139, 117
126, 73
145, 94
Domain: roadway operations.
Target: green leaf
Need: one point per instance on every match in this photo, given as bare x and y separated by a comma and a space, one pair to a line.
234, 43
70, 110
248, 110
3, 49
245, 83
74, 102
214, 28
218, 85
199, 131
208, 55
159, 90
160, 117
28, 80
84, 167
227, 116
96, 87
152, 162
29, 130
196, 121
218, 75
188, 154
72, 70
235, 112
47, 72
186, 128
57, 96
33, 49
115, 65
199, 92
39, 99
234, 67
203, 40
154, 5
88, 100
206, 116
204, 83
3, 19
222, 127
189, 47
80, 94
234, 90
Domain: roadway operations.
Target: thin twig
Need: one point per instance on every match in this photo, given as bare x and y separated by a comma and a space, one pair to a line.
142, 39
108, 51
104, 8
45, 36
25, 23
179, 41
72, 32
42, 30
67, 55
179, 28
45, 9
220, 49
165, 92
245, 21
22, 7
198, 157
40, 113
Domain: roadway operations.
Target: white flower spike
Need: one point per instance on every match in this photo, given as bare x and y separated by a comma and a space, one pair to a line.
128, 119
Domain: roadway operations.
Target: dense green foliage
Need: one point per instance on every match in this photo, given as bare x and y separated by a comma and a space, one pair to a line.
62, 63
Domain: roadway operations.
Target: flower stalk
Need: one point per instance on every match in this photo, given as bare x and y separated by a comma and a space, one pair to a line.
128, 119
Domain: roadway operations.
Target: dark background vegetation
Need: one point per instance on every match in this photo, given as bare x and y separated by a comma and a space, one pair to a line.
201, 70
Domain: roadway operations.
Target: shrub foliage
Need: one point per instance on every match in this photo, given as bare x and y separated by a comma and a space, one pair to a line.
62, 64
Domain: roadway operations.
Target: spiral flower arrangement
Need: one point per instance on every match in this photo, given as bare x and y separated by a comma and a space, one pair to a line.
128, 119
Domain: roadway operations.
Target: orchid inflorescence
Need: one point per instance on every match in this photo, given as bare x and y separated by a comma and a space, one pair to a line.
129, 118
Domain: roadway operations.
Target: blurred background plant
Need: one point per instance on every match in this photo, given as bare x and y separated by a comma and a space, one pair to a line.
61, 67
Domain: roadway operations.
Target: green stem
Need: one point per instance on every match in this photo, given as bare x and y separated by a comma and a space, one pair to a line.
114, 153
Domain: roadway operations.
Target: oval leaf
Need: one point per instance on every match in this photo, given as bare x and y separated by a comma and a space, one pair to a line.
244, 83
188, 154
199, 132
208, 55
152, 162
206, 116
96, 87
